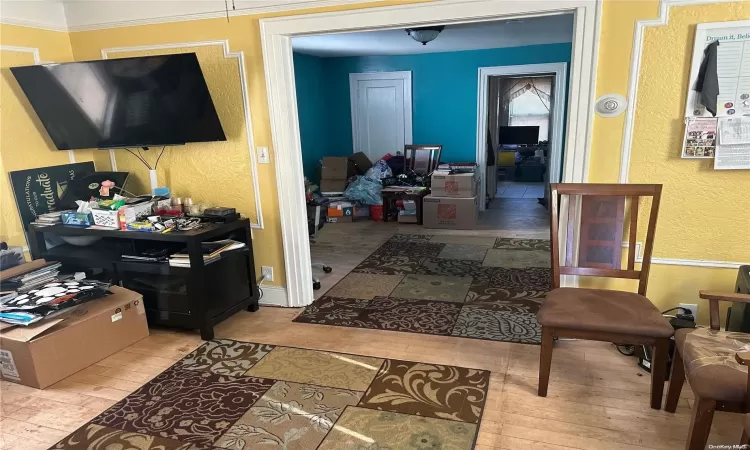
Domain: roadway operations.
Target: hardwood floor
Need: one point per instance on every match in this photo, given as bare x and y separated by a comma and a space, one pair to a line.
598, 399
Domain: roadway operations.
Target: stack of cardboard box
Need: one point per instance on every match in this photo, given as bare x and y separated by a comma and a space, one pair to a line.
453, 202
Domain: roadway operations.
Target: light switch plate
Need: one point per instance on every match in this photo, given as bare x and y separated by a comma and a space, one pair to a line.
263, 156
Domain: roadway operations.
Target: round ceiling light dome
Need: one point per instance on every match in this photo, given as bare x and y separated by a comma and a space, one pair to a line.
424, 34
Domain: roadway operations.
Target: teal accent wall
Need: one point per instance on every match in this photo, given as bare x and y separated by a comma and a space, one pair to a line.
312, 103
444, 95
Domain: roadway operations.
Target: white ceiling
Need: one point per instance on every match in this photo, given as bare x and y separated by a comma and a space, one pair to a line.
80, 15
471, 36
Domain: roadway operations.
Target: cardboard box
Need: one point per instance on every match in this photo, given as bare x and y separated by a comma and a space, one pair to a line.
407, 216
459, 185
361, 163
334, 173
449, 212
54, 348
345, 219
336, 170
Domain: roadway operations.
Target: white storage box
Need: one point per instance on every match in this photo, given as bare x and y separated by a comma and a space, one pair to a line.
106, 218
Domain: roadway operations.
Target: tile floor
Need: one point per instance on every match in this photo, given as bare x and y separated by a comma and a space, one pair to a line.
518, 189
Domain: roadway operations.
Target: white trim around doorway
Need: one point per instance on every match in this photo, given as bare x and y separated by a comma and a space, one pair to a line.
276, 40
558, 115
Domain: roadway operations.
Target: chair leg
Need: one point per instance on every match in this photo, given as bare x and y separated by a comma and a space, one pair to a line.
700, 423
676, 380
545, 360
659, 372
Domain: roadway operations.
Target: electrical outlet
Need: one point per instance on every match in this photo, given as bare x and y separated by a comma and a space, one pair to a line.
692, 307
263, 156
267, 272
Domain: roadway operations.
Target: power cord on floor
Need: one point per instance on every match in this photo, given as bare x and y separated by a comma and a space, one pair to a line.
260, 283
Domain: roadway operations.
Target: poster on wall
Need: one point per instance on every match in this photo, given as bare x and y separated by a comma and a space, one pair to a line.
38, 191
733, 149
700, 138
732, 68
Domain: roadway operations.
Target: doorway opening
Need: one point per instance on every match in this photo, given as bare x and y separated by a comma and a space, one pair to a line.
277, 37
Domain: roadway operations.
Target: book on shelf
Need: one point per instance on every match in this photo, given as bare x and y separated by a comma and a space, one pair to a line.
211, 252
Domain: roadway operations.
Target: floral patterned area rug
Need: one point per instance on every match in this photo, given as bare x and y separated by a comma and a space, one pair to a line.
240, 395
467, 286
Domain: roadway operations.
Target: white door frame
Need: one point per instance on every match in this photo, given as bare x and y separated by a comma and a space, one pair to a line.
558, 114
276, 40
403, 75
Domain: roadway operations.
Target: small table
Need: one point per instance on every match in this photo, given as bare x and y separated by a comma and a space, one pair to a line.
392, 194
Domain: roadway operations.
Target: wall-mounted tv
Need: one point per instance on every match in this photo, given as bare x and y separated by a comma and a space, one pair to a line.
129, 102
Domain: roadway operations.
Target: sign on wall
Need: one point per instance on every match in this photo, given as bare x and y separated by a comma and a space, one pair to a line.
732, 66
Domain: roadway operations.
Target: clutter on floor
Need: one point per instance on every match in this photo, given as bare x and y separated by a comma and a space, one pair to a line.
413, 188
467, 286
93, 226
47, 317
454, 201
322, 400
38, 289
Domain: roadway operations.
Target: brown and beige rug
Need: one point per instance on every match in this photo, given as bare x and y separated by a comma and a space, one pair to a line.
468, 286
239, 395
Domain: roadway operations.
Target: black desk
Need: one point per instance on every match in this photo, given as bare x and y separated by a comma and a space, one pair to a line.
196, 297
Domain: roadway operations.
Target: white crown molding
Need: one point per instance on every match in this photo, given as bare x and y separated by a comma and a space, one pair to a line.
240, 56
274, 296
44, 15
242, 10
635, 70
33, 24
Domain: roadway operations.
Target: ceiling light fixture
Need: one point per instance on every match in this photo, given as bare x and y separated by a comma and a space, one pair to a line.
424, 34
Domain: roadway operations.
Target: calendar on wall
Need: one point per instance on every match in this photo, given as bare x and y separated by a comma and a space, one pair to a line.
732, 65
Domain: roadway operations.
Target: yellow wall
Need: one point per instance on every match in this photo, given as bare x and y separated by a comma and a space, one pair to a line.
23, 142
696, 198
701, 215
215, 173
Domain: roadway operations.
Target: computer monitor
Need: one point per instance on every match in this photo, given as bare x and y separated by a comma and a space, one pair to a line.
518, 135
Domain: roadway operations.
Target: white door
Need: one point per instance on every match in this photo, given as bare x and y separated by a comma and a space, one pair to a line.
381, 112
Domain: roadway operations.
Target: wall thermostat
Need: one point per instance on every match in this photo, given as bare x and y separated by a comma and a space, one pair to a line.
610, 105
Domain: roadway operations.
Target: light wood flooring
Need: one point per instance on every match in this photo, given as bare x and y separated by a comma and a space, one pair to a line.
598, 399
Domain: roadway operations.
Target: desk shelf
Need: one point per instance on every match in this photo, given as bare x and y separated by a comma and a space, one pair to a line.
208, 293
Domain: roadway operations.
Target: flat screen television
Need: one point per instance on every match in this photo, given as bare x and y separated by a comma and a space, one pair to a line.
129, 102
524, 135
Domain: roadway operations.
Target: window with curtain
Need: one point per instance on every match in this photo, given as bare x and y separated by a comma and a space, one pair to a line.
528, 102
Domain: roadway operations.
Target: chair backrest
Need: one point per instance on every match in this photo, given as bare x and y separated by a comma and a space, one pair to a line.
601, 213
422, 159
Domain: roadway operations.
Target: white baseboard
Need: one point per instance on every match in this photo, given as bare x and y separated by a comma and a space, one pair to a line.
274, 296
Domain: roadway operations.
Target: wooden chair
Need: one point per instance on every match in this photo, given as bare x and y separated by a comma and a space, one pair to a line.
422, 159
596, 314
715, 364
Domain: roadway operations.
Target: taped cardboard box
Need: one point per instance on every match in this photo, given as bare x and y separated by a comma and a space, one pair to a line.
336, 170
451, 213
48, 351
459, 185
